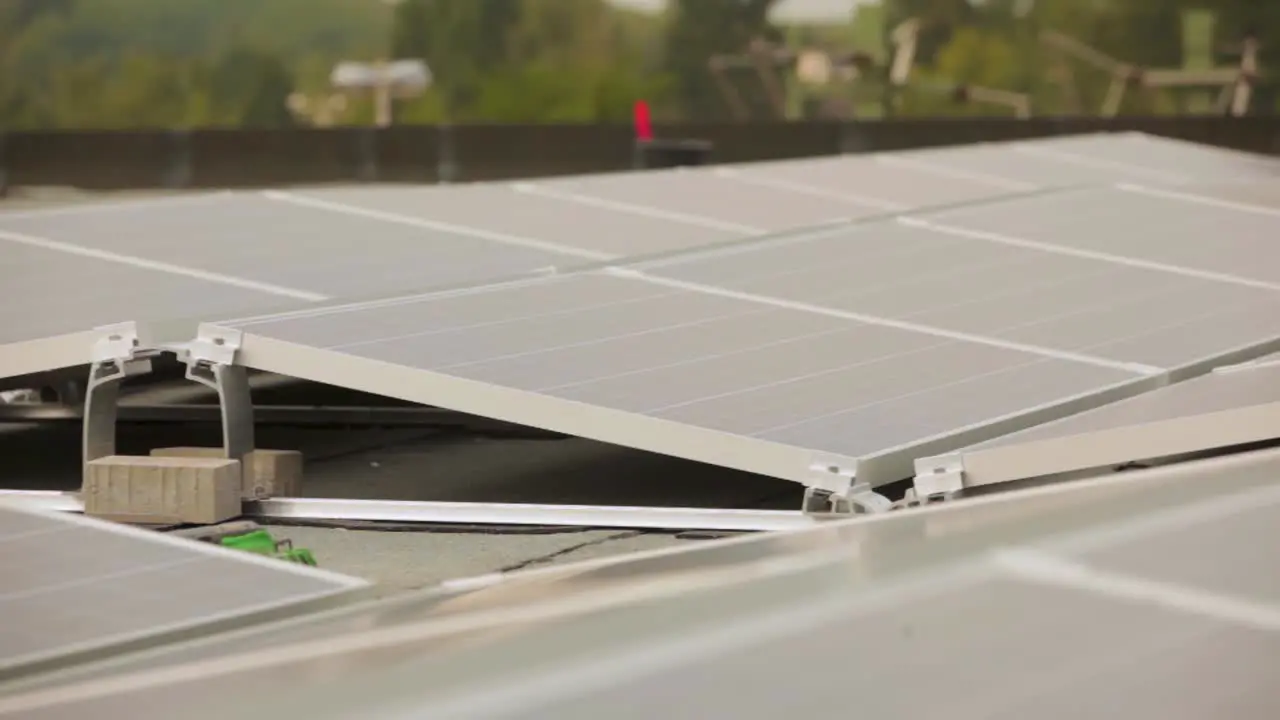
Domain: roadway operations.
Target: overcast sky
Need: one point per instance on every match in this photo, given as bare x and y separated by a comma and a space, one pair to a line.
788, 9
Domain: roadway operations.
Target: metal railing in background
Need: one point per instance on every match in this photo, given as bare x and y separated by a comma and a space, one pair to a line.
256, 158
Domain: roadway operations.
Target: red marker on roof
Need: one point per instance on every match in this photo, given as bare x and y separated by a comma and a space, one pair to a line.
644, 128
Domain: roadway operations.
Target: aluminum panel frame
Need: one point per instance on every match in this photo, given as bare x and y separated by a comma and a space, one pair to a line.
41, 555
1232, 406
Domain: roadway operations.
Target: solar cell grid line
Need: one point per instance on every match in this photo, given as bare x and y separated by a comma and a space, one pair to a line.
919, 178
903, 592
861, 179
1098, 158
762, 178
257, 240
922, 274
430, 224
808, 191
164, 267
1032, 160
1182, 160
1229, 407
117, 204
1218, 196
589, 230
1263, 194
1153, 227
73, 588
932, 166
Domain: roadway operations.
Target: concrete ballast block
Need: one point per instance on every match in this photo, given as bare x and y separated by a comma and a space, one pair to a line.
272, 473
162, 490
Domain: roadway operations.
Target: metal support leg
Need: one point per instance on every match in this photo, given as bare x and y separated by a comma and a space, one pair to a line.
116, 355
231, 382
101, 400
210, 362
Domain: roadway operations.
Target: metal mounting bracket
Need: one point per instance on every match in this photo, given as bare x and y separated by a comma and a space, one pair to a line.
938, 482
120, 353
210, 360
832, 488
213, 345
859, 499
117, 354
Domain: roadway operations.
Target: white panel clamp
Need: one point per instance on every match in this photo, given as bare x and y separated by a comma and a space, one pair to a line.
832, 489
938, 479
121, 342
213, 345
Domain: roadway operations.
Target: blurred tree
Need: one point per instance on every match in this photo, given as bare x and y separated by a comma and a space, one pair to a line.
973, 56
525, 61
938, 20
94, 45
699, 29
24, 24
461, 41
867, 29
135, 91
17, 14
249, 87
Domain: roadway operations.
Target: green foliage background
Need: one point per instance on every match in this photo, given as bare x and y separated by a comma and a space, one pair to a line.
184, 63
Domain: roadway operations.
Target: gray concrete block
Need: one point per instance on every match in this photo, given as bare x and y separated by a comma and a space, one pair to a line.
272, 473
162, 490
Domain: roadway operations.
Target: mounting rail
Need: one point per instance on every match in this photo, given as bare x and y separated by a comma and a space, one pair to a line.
461, 513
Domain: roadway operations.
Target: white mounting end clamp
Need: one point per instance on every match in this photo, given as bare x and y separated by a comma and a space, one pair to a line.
937, 479
832, 488
213, 345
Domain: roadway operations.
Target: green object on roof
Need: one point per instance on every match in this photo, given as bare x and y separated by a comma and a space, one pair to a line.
262, 543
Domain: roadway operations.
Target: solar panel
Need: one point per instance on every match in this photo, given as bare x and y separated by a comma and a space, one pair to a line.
73, 587
1137, 613
225, 254
856, 347
874, 605
743, 383
1233, 406
230, 253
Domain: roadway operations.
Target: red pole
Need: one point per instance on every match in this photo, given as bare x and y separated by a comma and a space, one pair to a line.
644, 128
